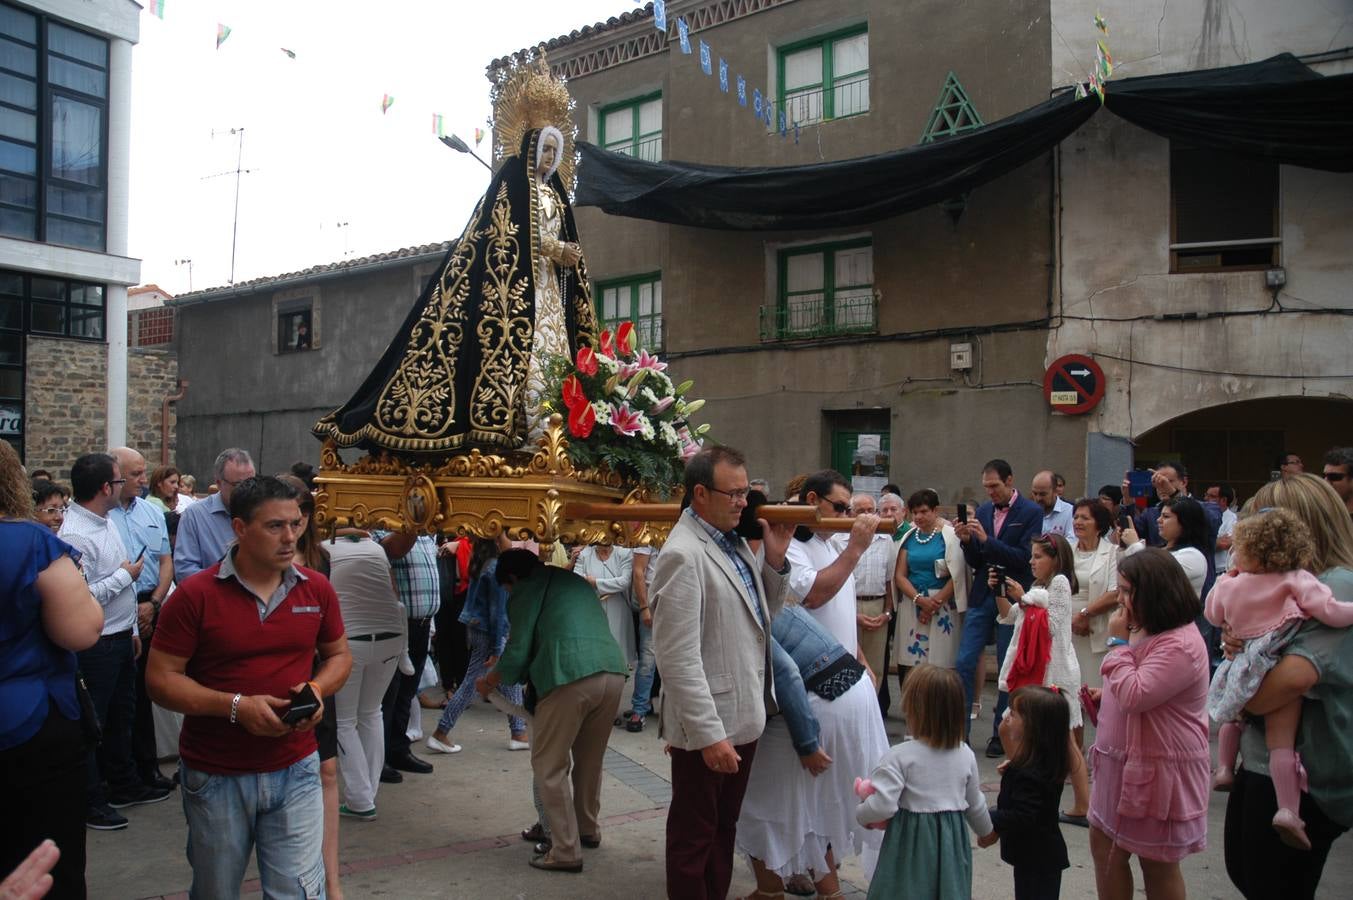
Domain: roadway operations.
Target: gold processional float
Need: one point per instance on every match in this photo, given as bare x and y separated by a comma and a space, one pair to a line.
500, 407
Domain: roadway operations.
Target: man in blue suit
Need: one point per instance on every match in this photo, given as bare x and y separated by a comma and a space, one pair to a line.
999, 534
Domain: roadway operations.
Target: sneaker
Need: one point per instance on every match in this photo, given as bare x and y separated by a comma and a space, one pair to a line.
975, 712
438, 746
103, 818
994, 749
635, 724
139, 795
366, 815
514, 744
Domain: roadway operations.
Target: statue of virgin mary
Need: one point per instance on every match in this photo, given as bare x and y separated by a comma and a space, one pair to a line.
467, 368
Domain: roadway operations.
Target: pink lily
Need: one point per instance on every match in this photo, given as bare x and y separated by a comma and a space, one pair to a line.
663, 405
645, 361
625, 420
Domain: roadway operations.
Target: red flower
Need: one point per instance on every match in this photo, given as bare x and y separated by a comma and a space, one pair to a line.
573, 392
605, 343
581, 420
624, 338
587, 361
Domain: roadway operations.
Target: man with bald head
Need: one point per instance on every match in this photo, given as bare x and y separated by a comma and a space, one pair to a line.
205, 530
1056, 511
145, 534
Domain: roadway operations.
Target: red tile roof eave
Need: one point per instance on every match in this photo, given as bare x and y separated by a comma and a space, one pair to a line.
323, 271
587, 31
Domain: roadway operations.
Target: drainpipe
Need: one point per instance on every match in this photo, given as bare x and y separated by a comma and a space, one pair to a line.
164, 420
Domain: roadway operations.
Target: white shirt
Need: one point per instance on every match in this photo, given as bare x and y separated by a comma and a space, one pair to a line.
837, 615
872, 571
1190, 559
919, 778
102, 554
1059, 520
1222, 558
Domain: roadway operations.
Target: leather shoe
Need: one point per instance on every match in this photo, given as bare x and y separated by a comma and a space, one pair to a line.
390, 776
552, 865
590, 842
994, 748
407, 762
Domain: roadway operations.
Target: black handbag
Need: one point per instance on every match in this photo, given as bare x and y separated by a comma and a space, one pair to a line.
89, 718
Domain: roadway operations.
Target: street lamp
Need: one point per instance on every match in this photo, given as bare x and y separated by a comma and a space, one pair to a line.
455, 143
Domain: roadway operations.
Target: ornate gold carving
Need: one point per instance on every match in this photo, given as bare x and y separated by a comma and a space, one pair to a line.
504, 331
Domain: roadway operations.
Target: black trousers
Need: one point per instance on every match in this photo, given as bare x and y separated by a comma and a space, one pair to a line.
1037, 883
109, 669
403, 688
144, 751
453, 644
43, 782
1259, 864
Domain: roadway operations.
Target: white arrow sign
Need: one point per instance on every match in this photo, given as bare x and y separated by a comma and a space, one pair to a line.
1084, 372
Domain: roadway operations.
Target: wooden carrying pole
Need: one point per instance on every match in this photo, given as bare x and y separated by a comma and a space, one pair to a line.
773, 513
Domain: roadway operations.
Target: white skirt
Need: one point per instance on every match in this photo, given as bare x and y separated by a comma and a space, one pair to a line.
789, 818
621, 619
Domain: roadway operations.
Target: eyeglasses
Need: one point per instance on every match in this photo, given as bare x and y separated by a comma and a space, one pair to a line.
53, 510
118, 482
733, 496
1335, 476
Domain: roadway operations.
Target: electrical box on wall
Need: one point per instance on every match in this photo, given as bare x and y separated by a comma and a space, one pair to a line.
960, 357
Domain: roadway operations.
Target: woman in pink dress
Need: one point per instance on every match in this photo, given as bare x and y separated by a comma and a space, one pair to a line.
1151, 758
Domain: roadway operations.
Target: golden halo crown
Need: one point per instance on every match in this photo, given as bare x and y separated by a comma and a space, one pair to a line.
526, 97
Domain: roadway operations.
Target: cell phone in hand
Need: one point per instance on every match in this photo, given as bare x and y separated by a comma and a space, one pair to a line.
304, 703
139, 555
1124, 520
963, 512
999, 589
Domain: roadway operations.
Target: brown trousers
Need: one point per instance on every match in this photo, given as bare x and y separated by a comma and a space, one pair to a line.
702, 824
575, 719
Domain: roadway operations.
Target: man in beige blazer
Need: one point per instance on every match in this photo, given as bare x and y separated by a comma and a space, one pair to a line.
713, 601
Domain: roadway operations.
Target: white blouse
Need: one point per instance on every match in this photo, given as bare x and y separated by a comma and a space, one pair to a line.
1063, 668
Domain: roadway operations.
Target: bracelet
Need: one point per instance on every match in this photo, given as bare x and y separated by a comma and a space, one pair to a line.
235, 708
1115, 642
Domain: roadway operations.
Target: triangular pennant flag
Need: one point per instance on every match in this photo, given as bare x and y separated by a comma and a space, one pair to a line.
291, 54
742, 91
386, 102
478, 136
723, 75
796, 132
1101, 24
1080, 91
660, 15
222, 32
704, 59
684, 35
157, 8
437, 124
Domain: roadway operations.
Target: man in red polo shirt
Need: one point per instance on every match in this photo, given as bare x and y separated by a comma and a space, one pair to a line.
235, 644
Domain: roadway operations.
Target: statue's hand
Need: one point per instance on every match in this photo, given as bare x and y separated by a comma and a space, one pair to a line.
571, 253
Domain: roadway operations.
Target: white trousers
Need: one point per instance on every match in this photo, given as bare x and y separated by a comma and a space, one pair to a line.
361, 729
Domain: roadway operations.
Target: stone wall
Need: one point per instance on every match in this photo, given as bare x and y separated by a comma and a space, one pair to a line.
67, 402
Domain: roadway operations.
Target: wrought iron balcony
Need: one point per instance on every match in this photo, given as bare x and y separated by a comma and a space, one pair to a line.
812, 317
848, 97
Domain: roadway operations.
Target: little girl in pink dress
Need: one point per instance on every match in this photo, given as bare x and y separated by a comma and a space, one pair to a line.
1264, 603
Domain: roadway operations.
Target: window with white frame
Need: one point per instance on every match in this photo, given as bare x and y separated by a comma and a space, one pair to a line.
633, 127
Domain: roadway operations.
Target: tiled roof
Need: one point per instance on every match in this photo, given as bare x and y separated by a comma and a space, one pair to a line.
148, 288
325, 269
587, 31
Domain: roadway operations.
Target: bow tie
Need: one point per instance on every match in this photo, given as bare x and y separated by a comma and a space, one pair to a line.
1005, 505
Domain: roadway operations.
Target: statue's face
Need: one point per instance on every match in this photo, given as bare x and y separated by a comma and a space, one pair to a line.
547, 156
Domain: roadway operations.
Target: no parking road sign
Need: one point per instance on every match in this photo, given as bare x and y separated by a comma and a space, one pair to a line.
1074, 384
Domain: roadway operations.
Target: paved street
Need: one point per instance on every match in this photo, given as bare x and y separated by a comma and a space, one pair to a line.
454, 834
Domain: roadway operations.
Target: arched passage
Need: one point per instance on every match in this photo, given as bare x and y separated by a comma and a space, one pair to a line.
1237, 442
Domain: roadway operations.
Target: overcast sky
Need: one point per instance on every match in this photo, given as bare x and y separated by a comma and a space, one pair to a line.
319, 150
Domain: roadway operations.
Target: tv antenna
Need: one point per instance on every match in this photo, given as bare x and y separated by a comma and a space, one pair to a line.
189, 263
237, 172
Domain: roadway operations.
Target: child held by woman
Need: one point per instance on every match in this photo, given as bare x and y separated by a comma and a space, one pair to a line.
1264, 601
922, 792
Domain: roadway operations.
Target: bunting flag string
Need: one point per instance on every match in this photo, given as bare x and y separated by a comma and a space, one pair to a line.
684, 35
723, 75
742, 91
705, 59
756, 102
387, 101
478, 136
761, 104
222, 32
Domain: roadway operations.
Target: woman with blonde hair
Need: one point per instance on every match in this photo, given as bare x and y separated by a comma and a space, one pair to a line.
1318, 666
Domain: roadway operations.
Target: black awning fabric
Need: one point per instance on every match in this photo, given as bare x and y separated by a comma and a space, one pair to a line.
823, 195
1277, 109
